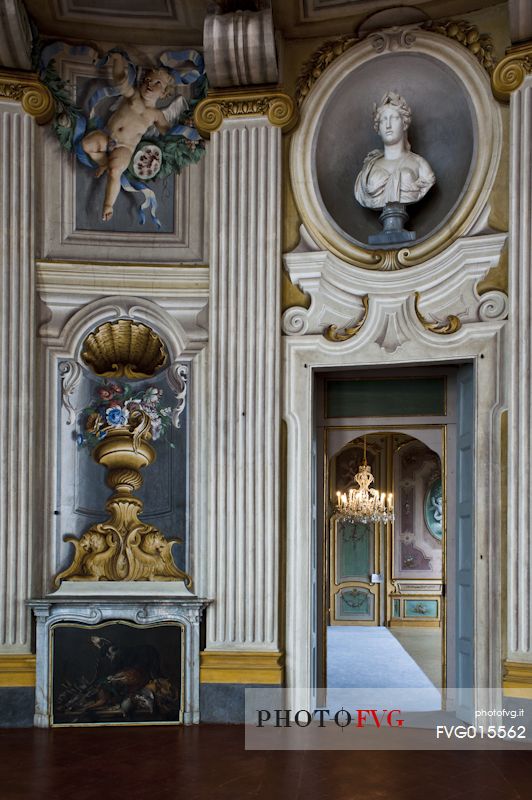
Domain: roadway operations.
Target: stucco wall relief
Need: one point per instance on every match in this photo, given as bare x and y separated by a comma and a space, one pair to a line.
450, 108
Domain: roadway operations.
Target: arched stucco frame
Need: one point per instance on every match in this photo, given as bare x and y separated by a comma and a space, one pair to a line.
62, 337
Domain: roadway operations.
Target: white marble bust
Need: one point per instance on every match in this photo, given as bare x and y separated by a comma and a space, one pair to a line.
395, 175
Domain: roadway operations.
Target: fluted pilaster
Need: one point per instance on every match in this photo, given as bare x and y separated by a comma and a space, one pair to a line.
244, 385
17, 367
520, 416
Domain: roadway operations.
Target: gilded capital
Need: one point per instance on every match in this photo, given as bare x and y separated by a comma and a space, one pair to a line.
278, 107
511, 71
26, 88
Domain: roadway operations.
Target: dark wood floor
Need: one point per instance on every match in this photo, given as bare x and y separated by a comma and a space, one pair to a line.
210, 762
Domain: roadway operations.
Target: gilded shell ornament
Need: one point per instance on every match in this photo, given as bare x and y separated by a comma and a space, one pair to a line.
124, 349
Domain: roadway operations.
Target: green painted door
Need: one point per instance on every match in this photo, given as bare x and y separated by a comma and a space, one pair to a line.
354, 557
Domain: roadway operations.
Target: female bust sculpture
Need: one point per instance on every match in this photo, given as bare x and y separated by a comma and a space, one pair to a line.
396, 175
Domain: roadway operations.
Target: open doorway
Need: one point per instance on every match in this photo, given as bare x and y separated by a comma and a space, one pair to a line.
384, 615
385, 582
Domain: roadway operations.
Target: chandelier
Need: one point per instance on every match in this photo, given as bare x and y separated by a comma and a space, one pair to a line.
364, 504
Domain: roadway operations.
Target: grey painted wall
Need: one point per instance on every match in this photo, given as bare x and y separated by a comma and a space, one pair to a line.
225, 702
17, 705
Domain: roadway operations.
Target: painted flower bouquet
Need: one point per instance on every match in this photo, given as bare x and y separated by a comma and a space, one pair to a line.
120, 405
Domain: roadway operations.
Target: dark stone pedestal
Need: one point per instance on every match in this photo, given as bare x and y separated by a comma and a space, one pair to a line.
393, 218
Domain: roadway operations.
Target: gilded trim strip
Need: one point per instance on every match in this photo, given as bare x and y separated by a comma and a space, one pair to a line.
517, 679
17, 669
241, 666
26, 88
412, 622
278, 106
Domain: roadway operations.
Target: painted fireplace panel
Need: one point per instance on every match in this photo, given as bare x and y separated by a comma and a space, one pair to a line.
117, 673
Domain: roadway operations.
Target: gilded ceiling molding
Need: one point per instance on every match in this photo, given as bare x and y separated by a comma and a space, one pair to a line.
318, 62
511, 71
480, 45
332, 335
450, 325
26, 88
277, 106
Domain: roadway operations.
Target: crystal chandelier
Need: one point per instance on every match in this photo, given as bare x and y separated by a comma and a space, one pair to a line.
364, 504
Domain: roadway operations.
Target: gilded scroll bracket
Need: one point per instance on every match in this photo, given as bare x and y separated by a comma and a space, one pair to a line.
277, 106
451, 325
27, 89
332, 334
511, 71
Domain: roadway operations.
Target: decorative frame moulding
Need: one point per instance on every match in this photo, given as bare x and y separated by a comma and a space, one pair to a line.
488, 127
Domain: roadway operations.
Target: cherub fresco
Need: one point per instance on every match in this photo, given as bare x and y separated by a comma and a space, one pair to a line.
146, 133
112, 147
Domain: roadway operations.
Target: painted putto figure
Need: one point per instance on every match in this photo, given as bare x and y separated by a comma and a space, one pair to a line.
113, 147
395, 175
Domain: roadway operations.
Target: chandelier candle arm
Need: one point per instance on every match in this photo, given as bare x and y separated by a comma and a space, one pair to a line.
364, 504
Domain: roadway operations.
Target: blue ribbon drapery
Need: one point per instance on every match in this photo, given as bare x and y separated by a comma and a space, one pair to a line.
176, 62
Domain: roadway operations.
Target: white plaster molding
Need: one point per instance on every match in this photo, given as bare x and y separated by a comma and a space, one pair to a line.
177, 377
396, 38
520, 416
493, 305
393, 327
239, 48
447, 284
19, 479
462, 220
520, 13
15, 35
325, 10
242, 541
70, 338
71, 373
181, 292
182, 17
482, 344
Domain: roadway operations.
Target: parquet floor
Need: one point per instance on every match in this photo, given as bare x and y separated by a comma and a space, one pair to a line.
210, 762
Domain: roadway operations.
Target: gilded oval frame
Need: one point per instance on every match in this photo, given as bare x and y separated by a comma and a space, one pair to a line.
487, 151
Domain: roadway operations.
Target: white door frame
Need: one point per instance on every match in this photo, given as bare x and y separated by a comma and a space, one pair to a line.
391, 335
